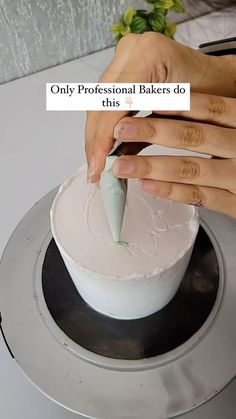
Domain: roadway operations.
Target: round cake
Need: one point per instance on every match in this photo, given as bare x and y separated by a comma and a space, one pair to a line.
137, 276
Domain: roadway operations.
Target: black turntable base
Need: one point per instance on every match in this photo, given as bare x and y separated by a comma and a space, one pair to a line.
154, 335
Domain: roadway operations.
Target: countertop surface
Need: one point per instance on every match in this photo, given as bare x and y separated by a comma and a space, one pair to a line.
39, 150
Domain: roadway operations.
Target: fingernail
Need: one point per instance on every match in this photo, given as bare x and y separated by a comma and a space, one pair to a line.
148, 185
125, 130
91, 169
122, 167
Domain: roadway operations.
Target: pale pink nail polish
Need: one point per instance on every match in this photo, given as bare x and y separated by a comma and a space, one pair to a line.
123, 167
125, 130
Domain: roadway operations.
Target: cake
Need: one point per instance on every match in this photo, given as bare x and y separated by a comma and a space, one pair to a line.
137, 276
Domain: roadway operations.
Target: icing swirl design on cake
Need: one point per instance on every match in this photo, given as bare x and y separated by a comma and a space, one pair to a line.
158, 231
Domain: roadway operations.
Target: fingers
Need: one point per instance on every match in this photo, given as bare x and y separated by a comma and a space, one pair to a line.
90, 129
99, 140
211, 198
100, 124
219, 173
195, 136
216, 110
127, 67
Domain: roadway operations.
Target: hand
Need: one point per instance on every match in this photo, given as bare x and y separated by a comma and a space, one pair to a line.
205, 182
152, 57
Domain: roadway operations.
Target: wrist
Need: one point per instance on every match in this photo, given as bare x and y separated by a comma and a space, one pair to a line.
221, 78
206, 73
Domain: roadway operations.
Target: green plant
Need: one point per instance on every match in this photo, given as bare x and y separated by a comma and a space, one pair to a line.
142, 20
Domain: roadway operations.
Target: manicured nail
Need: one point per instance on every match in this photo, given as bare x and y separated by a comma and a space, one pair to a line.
123, 167
125, 130
148, 185
91, 169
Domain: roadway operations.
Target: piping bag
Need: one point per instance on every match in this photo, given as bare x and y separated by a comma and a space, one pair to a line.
114, 192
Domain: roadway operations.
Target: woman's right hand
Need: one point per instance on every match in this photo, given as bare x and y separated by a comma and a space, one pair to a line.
153, 58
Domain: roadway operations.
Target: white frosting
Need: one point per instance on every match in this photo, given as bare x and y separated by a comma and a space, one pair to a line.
158, 231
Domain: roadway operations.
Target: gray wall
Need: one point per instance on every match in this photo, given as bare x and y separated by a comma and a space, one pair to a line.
37, 34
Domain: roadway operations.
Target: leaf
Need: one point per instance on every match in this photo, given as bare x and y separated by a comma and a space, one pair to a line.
159, 11
116, 28
178, 6
128, 16
139, 24
125, 30
157, 20
142, 13
164, 4
170, 29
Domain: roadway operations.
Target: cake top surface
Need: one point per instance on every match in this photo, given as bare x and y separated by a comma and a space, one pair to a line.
158, 231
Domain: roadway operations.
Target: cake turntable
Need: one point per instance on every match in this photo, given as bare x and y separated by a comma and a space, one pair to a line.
154, 368
157, 367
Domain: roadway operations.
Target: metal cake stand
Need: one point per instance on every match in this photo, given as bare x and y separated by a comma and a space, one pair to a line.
151, 368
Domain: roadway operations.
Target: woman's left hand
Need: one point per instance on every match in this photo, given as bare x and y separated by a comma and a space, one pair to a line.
209, 128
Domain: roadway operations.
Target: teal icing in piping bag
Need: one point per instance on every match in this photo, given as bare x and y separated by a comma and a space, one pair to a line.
114, 192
